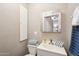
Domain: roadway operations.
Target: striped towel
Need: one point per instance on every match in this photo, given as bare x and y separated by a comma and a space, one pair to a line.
74, 47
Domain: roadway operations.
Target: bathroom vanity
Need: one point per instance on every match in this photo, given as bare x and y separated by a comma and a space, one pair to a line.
50, 50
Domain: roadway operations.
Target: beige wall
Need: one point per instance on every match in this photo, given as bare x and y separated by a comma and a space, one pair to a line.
35, 17
9, 30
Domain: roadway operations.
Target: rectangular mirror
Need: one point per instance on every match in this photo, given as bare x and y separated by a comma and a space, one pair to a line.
51, 22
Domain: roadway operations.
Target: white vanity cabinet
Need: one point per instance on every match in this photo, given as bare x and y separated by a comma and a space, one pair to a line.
50, 50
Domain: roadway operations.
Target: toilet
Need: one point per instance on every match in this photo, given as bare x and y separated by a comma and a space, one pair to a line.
32, 50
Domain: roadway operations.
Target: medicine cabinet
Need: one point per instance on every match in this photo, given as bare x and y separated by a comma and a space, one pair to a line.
51, 22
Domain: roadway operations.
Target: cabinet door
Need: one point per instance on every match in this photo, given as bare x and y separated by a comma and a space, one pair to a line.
23, 23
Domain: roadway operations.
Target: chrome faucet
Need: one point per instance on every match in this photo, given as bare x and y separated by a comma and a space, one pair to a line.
51, 42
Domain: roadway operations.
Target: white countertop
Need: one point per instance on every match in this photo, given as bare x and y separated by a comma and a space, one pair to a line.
52, 48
